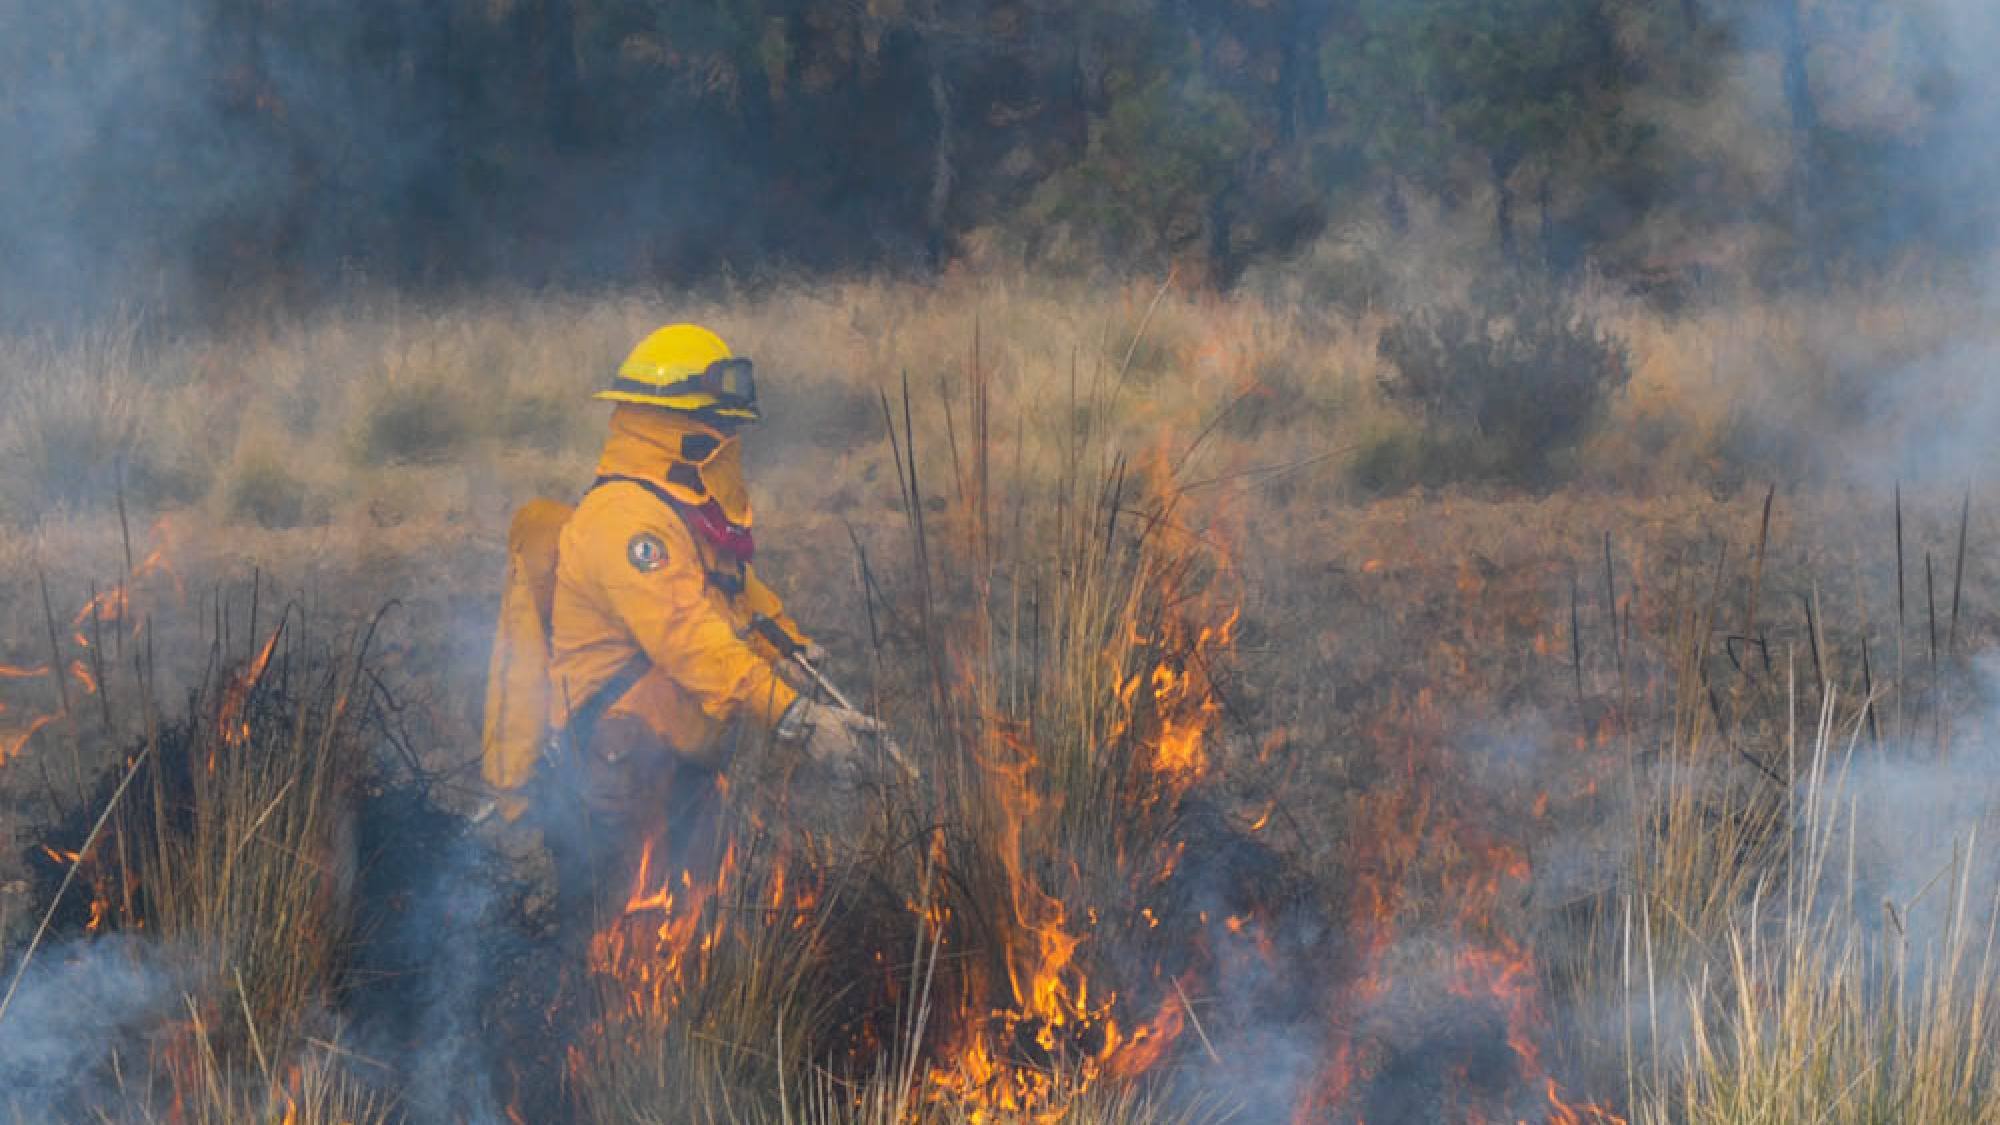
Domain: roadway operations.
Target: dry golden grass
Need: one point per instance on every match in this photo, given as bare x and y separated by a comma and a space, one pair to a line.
1768, 954
401, 412
1765, 984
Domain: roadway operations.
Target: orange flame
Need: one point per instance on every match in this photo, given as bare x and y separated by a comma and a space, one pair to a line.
1059, 1032
231, 718
106, 607
12, 742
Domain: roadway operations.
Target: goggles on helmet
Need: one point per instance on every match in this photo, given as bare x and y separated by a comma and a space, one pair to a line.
731, 382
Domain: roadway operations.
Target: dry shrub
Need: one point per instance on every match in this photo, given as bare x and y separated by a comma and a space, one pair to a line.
420, 421
544, 422
1505, 389
266, 488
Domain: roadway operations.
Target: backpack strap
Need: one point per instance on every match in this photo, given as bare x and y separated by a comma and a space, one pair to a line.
582, 724
729, 582
660, 494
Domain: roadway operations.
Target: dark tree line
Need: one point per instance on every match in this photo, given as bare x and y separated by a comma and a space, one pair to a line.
225, 145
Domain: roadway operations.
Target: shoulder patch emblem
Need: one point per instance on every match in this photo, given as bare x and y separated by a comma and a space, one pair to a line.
646, 553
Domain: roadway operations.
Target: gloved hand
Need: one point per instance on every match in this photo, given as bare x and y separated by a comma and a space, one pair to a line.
835, 738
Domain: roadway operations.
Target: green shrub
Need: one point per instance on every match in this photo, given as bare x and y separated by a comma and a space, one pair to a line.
1505, 389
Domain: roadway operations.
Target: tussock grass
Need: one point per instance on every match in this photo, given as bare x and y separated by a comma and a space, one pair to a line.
1789, 942
225, 849
1809, 999
265, 487
424, 421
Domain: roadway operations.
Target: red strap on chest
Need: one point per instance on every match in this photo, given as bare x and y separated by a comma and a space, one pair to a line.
730, 541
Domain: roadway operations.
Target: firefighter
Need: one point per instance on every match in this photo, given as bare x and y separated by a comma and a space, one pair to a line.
663, 646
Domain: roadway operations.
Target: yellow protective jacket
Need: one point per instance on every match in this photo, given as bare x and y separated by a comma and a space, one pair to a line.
632, 582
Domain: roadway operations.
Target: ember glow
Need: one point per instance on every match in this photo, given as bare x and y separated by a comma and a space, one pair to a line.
1424, 850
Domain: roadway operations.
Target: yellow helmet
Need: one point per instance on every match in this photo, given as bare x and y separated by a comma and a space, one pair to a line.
687, 368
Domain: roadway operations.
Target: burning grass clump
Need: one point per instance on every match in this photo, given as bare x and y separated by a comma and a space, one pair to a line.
213, 870
1021, 935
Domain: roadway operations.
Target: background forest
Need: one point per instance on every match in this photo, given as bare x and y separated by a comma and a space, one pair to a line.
196, 148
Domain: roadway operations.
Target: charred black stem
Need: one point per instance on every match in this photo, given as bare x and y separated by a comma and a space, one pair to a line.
1812, 639
1757, 573
1958, 573
982, 411
1610, 591
1902, 614
1576, 649
1114, 499
1930, 599
97, 661
55, 641
951, 439
1868, 688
